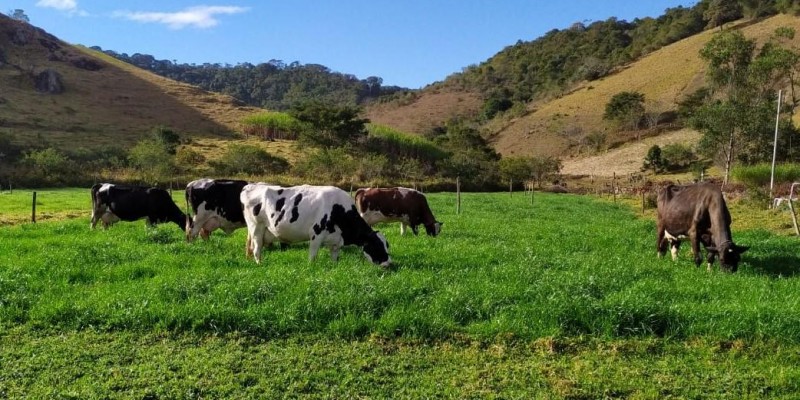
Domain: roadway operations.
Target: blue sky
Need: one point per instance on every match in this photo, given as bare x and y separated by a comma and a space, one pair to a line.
408, 43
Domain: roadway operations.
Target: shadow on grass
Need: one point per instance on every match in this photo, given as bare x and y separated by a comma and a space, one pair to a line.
781, 265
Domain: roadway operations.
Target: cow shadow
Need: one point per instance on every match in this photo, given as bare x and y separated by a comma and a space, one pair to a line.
779, 265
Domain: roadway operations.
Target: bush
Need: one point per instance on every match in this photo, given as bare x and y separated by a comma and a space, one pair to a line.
327, 165
248, 159
625, 108
677, 157
653, 159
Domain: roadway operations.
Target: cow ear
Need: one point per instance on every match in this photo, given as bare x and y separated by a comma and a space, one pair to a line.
741, 249
712, 249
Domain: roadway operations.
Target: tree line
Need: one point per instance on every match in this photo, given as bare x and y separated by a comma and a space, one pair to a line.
273, 85
554, 62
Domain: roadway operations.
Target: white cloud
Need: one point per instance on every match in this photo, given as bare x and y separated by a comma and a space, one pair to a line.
199, 17
63, 5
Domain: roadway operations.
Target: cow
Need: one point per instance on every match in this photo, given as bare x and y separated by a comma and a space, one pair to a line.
321, 215
112, 203
408, 206
697, 212
215, 204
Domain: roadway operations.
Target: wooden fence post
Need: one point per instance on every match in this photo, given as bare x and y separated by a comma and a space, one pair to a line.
613, 186
458, 195
642, 201
33, 209
791, 208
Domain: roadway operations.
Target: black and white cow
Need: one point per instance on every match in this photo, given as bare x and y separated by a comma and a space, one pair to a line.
112, 203
399, 204
323, 215
216, 205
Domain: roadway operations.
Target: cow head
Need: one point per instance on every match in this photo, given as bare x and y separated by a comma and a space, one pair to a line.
729, 255
434, 229
376, 249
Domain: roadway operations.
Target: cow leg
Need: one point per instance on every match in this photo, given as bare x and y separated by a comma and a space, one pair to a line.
334, 252
414, 229
709, 260
675, 246
261, 239
661, 245
695, 240
313, 247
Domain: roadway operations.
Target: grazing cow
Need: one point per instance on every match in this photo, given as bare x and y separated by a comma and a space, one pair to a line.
216, 205
323, 215
112, 203
697, 212
408, 206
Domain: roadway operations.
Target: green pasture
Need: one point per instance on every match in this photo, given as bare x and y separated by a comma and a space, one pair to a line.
560, 298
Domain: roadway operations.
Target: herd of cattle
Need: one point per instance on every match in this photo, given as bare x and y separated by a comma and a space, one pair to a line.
321, 215
328, 216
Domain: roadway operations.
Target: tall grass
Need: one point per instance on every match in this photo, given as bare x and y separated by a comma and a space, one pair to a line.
272, 125
398, 144
564, 266
759, 174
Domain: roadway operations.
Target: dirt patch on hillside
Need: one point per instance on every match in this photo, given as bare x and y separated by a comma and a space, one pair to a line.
628, 158
423, 111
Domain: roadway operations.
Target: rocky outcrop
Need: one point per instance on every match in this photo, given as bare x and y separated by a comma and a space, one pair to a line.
49, 81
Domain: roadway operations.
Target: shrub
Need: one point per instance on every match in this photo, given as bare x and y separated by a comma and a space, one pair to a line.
653, 159
677, 157
248, 159
625, 108
327, 165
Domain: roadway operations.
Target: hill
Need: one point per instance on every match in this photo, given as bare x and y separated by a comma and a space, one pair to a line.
104, 101
557, 125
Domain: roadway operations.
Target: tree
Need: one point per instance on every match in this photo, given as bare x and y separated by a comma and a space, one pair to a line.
544, 167
729, 55
330, 125
19, 15
721, 11
49, 162
152, 160
626, 108
653, 159
677, 156
516, 169
167, 138
737, 124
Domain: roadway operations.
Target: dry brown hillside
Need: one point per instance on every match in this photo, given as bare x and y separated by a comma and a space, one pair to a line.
664, 77
104, 101
430, 108
554, 127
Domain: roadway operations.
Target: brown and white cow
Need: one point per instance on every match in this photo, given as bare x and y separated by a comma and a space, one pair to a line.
408, 206
697, 212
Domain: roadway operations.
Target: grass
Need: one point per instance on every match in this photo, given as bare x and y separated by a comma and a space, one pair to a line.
562, 298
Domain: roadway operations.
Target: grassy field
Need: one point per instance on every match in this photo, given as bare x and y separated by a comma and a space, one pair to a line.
560, 299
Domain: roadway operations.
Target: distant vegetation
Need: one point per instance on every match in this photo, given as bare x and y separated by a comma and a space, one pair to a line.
274, 85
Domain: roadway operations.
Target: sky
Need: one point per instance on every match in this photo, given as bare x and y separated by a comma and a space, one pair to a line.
408, 43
